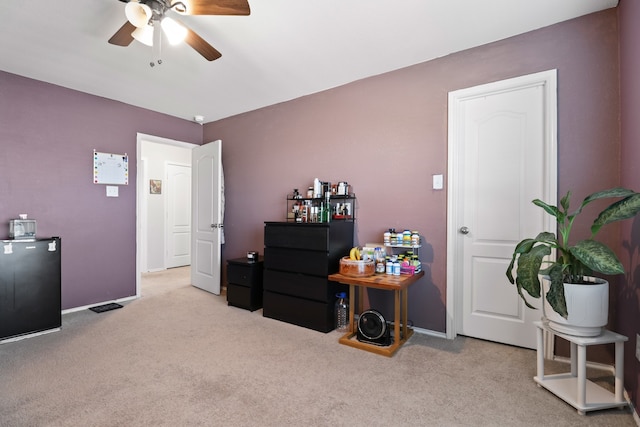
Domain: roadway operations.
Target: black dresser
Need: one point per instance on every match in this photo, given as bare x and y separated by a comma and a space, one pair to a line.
30, 286
244, 287
298, 257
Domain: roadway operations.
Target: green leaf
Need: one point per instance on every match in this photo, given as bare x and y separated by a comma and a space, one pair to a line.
550, 209
546, 237
622, 209
525, 246
597, 257
612, 192
522, 247
555, 295
565, 201
528, 270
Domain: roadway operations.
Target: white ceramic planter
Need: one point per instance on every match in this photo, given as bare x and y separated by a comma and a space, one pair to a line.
587, 305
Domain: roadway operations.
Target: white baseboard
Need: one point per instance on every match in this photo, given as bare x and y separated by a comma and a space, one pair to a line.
86, 307
35, 334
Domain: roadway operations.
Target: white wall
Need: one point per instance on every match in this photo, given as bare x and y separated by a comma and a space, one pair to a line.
155, 156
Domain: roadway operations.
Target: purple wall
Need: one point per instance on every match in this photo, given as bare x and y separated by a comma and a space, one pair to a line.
387, 135
628, 292
48, 134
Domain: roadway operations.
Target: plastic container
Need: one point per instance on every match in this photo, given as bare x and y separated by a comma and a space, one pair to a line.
357, 268
342, 312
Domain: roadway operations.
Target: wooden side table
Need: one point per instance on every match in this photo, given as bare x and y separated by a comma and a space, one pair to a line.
399, 285
573, 387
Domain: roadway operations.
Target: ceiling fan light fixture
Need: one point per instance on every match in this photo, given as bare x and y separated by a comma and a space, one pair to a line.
144, 35
138, 13
175, 32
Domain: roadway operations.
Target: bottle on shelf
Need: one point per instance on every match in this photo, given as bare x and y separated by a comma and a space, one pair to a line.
415, 238
393, 238
406, 238
396, 268
378, 256
317, 188
416, 263
342, 312
326, 212
388, 266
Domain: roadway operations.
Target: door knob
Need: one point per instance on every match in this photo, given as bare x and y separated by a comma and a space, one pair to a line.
464, 230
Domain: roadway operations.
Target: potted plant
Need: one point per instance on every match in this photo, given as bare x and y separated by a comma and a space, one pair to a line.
575, 263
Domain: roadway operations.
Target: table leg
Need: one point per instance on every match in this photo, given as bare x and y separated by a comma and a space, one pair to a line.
619, 369
403, 312
573, 356
352, 317
540, 354
396, 318
582, 375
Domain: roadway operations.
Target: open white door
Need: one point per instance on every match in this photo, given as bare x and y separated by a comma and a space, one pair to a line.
206, 229
502, 155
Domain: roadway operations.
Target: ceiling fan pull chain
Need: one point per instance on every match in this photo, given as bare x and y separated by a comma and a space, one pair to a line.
156, 49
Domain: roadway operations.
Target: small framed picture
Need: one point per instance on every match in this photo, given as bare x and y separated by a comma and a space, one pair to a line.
155, 186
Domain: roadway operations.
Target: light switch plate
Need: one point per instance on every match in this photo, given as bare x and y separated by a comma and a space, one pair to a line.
438, 182
112, 191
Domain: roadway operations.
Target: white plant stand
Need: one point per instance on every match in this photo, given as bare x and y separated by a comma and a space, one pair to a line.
573, 387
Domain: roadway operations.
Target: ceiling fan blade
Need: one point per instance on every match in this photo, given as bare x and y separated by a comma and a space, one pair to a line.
123, 36
215, 7
201, 46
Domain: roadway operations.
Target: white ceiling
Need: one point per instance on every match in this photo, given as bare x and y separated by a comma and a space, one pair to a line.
285, 49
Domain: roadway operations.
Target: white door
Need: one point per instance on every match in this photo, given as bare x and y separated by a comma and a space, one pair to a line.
502, 155
206, 216
178, 208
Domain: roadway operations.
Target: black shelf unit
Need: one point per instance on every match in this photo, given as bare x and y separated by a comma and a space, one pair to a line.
343, 207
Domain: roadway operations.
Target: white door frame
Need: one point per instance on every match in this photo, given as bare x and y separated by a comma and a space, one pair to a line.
456, 108
141, 186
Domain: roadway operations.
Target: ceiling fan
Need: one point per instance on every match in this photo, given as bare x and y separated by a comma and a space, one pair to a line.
148, 19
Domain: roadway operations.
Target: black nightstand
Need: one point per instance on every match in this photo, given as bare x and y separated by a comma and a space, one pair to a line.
244, 288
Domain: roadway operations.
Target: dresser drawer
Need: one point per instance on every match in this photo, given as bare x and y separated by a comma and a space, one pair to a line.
301, 236
299, 261
298, 311
299, 285
245, 274
244, 297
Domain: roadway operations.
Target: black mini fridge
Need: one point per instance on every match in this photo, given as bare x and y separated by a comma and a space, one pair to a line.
30, 286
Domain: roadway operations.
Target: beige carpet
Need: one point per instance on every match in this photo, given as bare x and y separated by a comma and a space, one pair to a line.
179, 356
